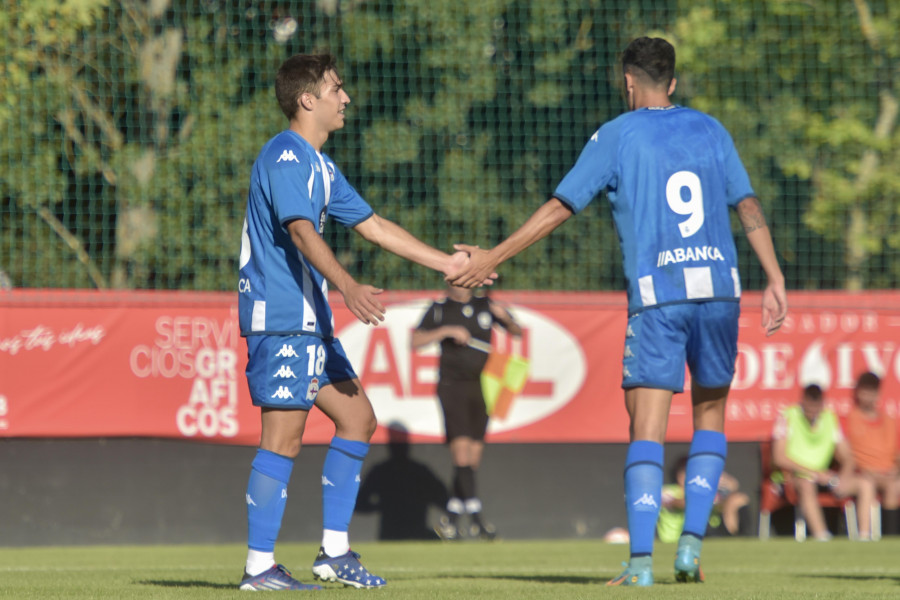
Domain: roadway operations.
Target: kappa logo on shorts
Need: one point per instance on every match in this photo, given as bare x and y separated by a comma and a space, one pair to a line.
285, 372
313, 390
286, 351
628, 352
282, 393
629, 332
626, 372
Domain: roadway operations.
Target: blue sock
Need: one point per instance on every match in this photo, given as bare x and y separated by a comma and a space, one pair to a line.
266, 497
340, 482
643, 491
701, 480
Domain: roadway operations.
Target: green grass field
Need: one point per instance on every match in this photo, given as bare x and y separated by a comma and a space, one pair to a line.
517, 570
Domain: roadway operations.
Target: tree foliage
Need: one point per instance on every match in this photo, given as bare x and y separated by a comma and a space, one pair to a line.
131, 126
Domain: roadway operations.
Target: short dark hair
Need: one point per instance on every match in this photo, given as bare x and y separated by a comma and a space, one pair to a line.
652, 59
813, 392
868, 381
298, 75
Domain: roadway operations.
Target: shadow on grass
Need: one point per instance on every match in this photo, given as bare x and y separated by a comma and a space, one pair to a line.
170, 583
574, 579
856, 577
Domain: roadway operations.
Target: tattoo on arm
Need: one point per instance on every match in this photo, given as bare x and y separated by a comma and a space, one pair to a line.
751, 214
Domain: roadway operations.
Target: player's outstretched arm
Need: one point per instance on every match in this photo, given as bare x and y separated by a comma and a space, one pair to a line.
359, 298
386, 234
774, 304
539, 225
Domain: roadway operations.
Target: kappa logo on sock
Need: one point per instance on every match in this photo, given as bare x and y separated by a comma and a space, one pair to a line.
326, 482
700, 482
645, 500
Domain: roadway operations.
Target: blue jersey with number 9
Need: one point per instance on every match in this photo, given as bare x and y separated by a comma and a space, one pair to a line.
670, 175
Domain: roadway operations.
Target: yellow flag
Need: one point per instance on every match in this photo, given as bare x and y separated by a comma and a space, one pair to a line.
503, 377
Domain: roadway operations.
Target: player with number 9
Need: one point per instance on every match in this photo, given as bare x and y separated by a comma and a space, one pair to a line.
671, 175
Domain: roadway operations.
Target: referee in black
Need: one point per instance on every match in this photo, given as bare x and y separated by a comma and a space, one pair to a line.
462, 322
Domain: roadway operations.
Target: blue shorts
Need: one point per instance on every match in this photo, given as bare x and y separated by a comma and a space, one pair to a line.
659, 341
287, 371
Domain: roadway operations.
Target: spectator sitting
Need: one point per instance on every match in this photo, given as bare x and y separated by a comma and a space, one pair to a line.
873, 438
728, 504
806, 438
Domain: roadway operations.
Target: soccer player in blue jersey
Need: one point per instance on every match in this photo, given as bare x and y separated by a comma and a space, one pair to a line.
671, 174
294, 359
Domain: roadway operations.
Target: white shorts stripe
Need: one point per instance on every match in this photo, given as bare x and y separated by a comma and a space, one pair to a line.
737, 282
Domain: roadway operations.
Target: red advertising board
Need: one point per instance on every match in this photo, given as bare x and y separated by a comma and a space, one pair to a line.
167, 364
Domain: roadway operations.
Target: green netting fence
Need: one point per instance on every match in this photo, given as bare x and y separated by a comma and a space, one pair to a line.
128, 128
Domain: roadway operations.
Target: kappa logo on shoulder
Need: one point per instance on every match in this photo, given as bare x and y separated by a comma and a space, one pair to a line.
288, 155
286, 351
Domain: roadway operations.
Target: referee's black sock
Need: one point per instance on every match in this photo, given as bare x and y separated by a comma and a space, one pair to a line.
464, 482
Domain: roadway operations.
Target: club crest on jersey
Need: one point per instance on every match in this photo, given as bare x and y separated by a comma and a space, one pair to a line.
288, 155
313, 390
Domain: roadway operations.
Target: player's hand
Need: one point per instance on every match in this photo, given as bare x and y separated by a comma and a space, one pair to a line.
362, 302
774, 307
479, 270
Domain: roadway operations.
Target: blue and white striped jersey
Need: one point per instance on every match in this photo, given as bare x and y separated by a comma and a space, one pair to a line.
670, 175
280, 292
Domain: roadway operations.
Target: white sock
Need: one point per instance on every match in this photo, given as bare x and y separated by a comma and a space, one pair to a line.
257, 562
335, 543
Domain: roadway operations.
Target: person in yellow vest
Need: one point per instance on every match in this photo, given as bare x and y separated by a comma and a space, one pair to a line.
872, 434
806, 440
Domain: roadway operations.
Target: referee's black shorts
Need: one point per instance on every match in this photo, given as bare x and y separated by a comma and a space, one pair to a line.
464, 412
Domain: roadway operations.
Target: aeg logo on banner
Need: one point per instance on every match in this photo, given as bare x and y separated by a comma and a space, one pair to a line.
201, 349
400, 383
